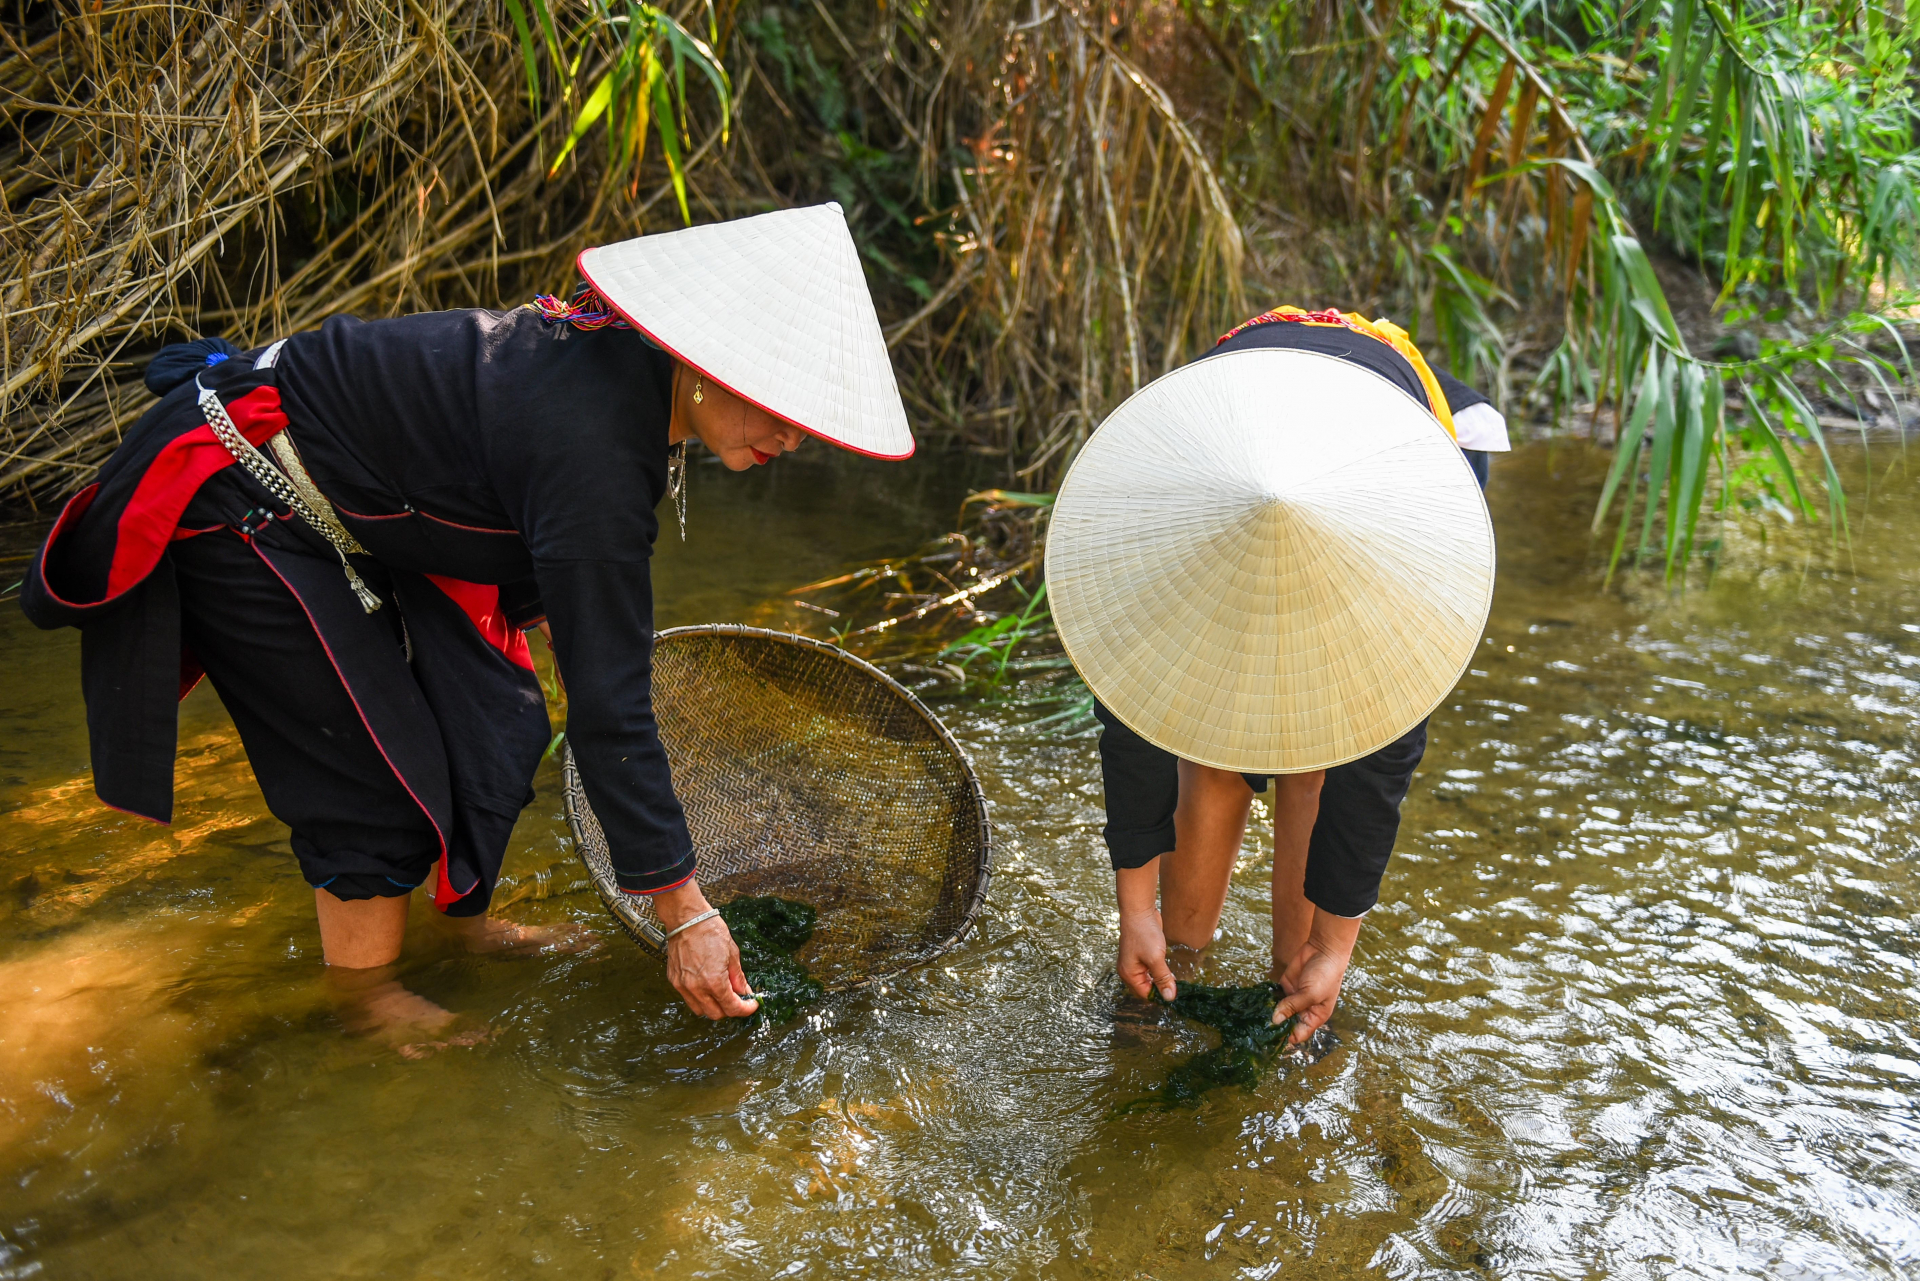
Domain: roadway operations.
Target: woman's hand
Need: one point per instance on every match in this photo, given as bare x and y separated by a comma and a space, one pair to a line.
703, 964
1142, 964
1311, 981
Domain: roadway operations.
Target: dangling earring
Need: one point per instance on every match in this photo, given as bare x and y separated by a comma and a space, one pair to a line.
677, 481
697, 397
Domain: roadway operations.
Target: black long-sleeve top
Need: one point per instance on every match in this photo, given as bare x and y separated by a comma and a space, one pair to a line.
495, 447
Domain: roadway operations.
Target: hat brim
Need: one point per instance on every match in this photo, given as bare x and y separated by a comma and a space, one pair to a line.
581, 265
1270, 562
776, 308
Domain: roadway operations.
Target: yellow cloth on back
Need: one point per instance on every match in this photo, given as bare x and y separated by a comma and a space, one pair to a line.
1382, 330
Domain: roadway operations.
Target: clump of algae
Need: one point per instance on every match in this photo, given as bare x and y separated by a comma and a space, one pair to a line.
1249, 1042
768, 931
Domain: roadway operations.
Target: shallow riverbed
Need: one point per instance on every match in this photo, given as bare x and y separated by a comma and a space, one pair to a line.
1639, 1001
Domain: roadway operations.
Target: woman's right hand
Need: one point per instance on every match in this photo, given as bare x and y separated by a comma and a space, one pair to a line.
1143, 955
703, 964
1143, 940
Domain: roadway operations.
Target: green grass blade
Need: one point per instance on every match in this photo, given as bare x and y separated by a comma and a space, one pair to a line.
518, 13
595, 106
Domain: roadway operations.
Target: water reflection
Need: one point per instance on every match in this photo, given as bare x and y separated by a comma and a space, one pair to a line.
1639, 999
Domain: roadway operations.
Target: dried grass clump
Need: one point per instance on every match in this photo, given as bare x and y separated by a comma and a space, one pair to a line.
213, 166
1094, 245
1057, 202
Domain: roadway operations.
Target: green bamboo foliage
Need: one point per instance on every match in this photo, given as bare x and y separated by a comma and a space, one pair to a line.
638, 57
1526, 151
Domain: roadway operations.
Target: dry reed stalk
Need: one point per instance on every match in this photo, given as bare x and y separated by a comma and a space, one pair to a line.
214, 166
1091, 244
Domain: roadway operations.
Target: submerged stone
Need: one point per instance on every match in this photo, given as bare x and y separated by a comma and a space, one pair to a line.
768, 931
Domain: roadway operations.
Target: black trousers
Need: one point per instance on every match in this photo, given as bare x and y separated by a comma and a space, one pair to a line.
357, 831
1352, 838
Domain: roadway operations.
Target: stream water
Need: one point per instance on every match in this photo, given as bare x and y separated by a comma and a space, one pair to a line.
1639, 1000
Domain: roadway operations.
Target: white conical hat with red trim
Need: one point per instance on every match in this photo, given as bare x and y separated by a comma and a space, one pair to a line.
1270, 561
776, 309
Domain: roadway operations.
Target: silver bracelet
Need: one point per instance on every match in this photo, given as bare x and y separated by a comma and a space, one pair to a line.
686, 925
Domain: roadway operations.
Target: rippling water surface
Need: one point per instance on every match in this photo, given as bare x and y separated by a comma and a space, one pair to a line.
1639, 1000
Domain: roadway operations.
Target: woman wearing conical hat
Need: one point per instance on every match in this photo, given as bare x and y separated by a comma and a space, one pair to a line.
1272, 563
349, 532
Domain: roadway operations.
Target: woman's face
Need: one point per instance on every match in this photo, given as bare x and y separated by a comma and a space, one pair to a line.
742, 434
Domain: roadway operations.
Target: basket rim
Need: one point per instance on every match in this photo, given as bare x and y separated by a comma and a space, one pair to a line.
650, 937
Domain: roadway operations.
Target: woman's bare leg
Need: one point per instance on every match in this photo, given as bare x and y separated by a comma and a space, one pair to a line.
363, 933
1208, 825
492, 934
1296, 804
361, 939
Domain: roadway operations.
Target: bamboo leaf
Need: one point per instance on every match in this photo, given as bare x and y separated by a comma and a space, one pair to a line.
700, 53
1675, 61
543, 10
1586, 173
1716, 126
595, 107
1683, 105
1761, 425
1660, 453
1629, 441
1647, 298
1489, 126
1783, 387
670, 140
1689, 481
1741, 179
518, 13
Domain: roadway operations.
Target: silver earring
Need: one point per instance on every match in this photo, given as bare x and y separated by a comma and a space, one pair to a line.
677, 481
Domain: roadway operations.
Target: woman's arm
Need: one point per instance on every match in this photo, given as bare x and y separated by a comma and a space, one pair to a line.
1311, 981
1143, 942
601, 615
1142, 787
703, 964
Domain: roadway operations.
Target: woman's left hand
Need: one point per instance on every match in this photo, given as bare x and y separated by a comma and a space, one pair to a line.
704, 967
1311, 982
702, 963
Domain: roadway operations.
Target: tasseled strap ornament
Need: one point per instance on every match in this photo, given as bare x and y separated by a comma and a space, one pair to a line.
588, 310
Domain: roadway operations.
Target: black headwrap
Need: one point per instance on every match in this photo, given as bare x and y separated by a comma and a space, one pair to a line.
177, 362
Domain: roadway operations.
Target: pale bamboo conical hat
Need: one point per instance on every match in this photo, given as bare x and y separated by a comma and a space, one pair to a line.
1270, 561
776, 309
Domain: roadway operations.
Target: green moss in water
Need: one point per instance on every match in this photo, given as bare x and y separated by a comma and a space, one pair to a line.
768, 931
1249, 1042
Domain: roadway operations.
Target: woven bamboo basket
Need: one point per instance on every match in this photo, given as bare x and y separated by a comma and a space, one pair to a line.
810, 774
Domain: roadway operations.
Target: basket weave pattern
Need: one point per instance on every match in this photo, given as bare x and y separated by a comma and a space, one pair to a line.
809, 774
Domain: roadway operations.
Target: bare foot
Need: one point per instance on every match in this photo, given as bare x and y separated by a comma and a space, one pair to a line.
487, 934
373, 1004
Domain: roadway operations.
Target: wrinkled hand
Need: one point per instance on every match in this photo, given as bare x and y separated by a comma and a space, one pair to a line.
1311, 986
703, 964
1143, 955
704, 967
